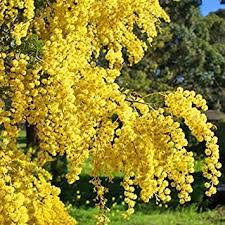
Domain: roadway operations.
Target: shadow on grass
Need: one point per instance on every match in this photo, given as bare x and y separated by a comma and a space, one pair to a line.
81, 193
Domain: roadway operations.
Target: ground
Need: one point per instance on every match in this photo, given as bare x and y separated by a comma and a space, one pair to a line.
187, 216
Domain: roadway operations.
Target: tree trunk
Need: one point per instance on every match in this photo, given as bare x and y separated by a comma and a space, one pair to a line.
31, 135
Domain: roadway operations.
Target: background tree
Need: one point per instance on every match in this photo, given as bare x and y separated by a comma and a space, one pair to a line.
188, 53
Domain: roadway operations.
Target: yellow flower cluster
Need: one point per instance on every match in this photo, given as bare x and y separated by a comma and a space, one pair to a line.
78, 96
189, 106
26, 195
130, 197
10, 11
100, 199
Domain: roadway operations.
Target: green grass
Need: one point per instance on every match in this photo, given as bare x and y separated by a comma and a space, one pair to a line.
22, 140
198, 165
182, 216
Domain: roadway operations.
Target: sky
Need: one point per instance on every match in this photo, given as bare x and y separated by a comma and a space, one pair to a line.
210, 6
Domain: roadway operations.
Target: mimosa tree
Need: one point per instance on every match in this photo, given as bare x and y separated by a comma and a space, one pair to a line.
64, 86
